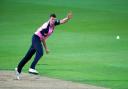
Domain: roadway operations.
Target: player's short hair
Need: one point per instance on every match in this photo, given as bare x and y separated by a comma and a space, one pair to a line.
53, 15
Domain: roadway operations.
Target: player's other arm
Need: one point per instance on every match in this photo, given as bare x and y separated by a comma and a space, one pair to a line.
69, 16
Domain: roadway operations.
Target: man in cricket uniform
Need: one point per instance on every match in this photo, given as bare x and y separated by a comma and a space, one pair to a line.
41, 35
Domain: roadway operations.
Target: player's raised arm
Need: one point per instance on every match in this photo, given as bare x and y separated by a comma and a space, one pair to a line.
68, 17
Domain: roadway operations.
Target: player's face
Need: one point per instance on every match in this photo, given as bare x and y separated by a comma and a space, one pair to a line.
52, 21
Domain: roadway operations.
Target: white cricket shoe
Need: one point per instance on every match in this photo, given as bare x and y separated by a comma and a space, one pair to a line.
17, 74
33, 71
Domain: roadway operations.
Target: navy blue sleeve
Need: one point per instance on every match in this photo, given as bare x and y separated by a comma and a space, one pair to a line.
57, 22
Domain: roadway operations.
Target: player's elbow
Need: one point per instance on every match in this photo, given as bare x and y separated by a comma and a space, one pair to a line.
62, 21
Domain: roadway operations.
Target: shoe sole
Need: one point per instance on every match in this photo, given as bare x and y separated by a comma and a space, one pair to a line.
33, 73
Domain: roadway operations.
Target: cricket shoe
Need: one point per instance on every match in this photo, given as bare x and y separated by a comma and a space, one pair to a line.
33, 71
17, 74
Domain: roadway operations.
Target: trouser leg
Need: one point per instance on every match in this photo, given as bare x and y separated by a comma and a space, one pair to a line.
27, 57
39, 54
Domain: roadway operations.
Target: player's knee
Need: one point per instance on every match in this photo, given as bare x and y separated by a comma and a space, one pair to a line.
40, 53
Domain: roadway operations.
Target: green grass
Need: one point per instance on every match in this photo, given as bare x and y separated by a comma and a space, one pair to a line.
83, 50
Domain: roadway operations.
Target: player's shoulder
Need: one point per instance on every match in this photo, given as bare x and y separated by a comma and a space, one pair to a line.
45, 24
57, 22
